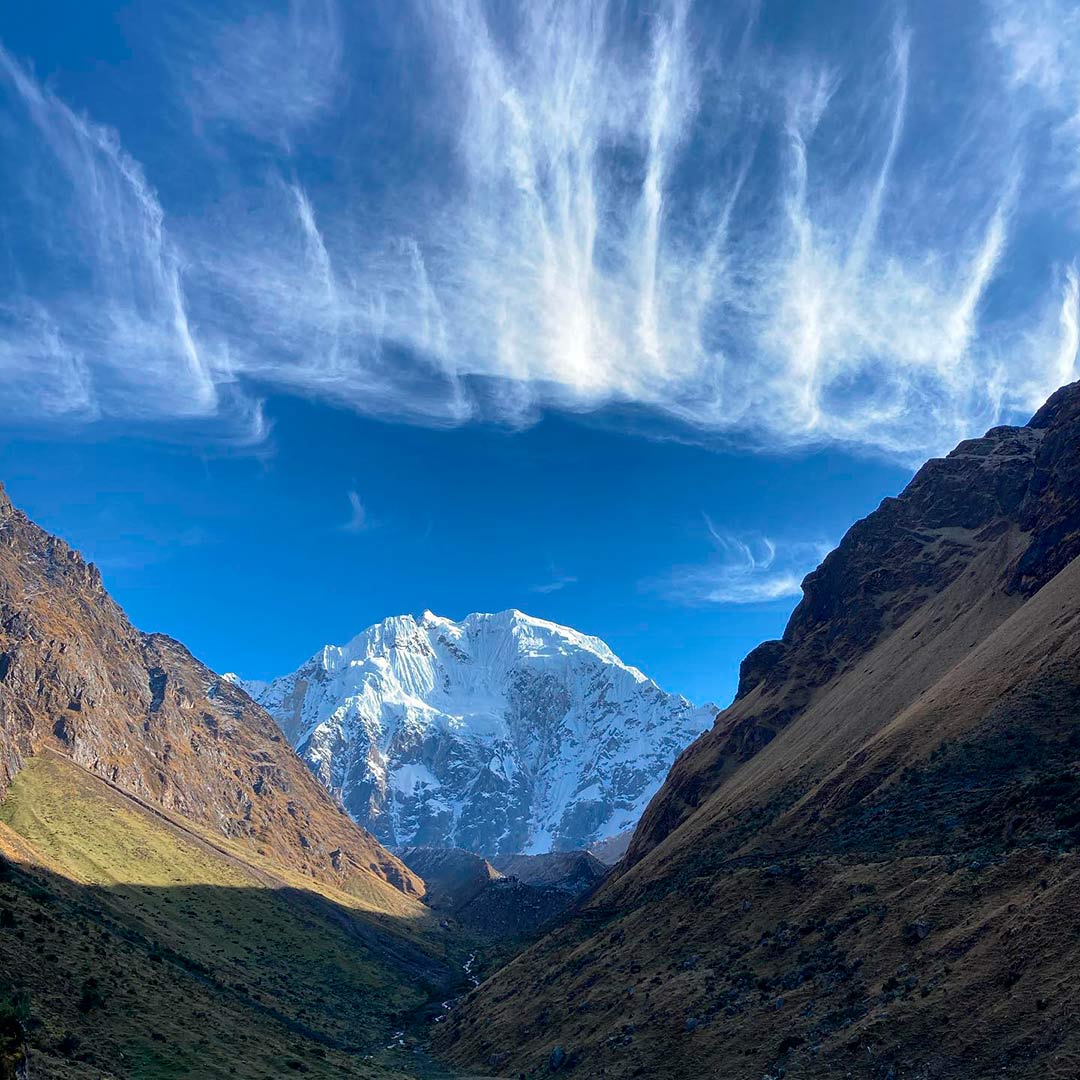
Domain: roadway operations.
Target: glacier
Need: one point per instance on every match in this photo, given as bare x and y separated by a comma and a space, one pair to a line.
502, 733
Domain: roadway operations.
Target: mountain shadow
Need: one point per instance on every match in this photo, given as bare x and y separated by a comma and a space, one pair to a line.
133, 944
208, 981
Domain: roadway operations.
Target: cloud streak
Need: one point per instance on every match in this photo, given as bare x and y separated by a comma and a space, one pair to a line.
267, 72
612, 209
96, 321
556, 583
742, 571
358, 516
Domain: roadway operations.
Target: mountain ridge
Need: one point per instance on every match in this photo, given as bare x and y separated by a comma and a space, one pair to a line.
1015, 492
502, 733
142, 712
878, 837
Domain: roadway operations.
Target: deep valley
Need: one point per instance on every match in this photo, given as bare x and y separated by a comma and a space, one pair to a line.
867, 867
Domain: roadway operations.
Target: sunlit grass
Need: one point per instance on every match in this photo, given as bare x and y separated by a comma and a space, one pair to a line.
208, 963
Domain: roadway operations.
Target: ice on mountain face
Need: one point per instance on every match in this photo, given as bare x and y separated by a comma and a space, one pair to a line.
254, 687
502, 734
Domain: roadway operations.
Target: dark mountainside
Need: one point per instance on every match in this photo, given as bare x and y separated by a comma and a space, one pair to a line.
572, 871
870, 867
454, 877
510, 903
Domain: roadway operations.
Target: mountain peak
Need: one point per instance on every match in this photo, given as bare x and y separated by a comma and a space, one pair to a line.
502, 733
1062, 403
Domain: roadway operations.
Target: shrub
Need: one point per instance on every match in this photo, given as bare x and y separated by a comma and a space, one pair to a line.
14, 1005
91, 997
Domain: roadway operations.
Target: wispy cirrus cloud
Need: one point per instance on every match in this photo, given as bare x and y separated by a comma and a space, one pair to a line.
95, 320
556, 582
268, 71
593, 206
1039, 44
358, 516
1040, 40
743, 570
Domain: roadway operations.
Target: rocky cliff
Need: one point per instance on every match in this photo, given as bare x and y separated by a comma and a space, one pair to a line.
1002, 511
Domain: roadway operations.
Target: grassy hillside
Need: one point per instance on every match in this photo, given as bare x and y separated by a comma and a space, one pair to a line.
147, 948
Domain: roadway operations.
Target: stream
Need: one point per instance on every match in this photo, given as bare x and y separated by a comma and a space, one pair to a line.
474, 981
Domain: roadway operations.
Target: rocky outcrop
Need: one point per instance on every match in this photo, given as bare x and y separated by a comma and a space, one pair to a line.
574, 872
512, 900
1050, 513
453, 877
139, 710
866, 867
509, 908
500, 734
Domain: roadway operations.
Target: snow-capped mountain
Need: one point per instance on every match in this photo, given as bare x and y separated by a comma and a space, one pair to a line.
500, 733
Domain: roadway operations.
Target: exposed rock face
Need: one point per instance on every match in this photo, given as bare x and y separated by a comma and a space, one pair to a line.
864, 869
454, 877
1012, 497
139, 710
499, 734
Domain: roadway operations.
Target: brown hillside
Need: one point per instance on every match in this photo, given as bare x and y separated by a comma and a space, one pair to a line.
139, 710
869, 867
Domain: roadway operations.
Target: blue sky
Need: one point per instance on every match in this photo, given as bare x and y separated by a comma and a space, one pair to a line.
315, 313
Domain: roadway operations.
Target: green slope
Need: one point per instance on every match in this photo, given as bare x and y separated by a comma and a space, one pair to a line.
152, 950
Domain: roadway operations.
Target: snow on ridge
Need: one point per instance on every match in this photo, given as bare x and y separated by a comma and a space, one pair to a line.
330, 656
501, 733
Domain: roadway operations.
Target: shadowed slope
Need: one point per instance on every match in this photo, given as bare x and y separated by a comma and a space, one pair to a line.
171, 845
869, 867
162, 952
492, 905
453, 876
574, 872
